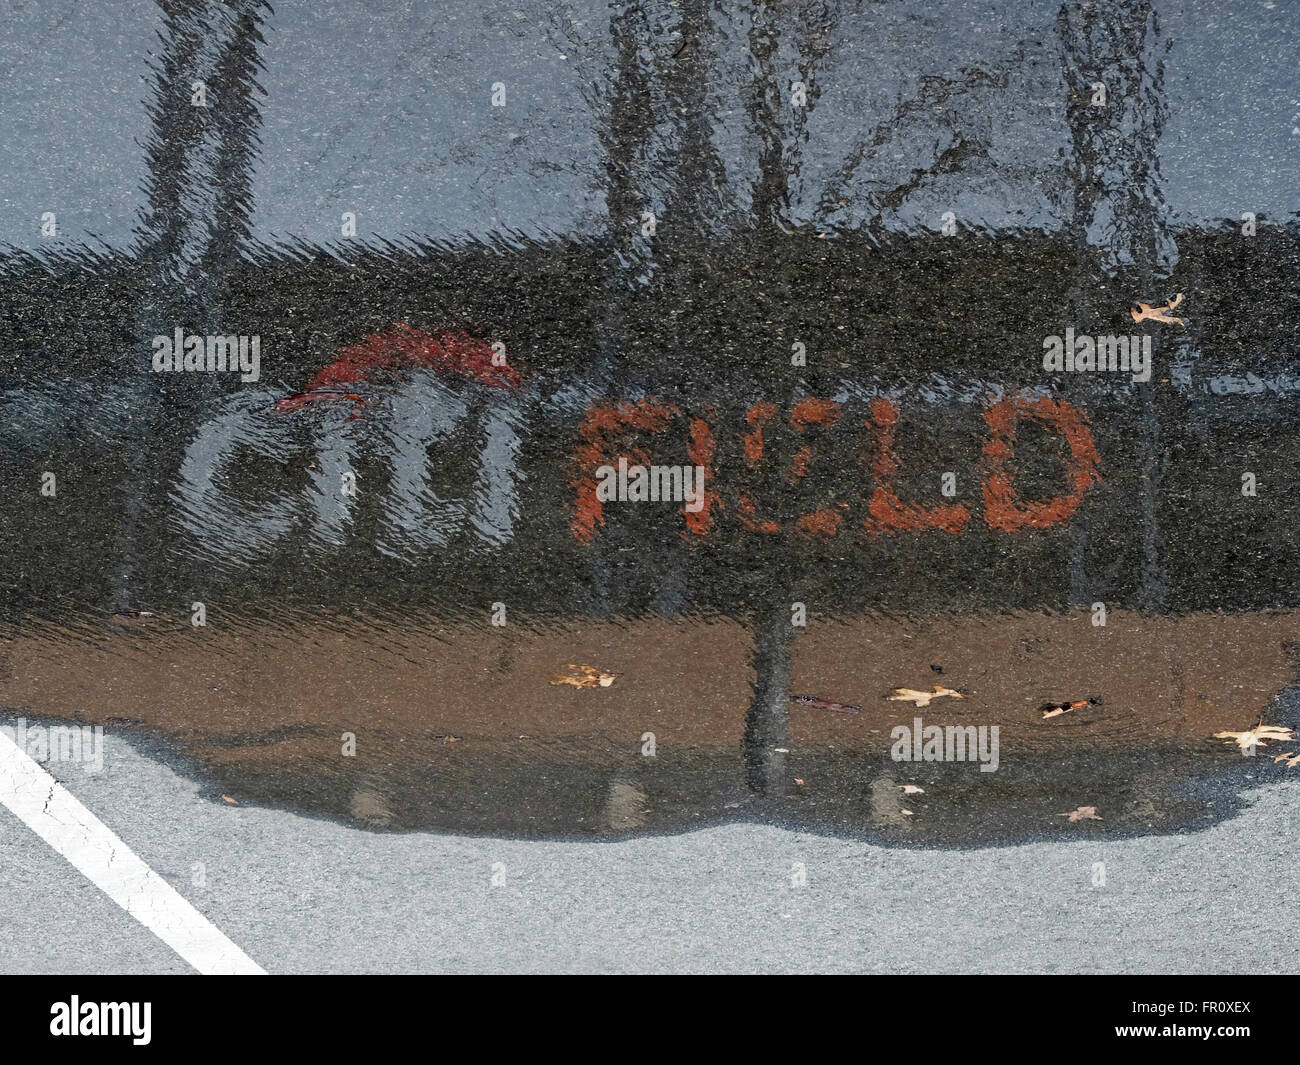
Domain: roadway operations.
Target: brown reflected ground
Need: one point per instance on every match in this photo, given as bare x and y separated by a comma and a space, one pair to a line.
458, 726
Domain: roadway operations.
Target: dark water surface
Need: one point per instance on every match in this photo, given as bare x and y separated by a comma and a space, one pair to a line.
796, 322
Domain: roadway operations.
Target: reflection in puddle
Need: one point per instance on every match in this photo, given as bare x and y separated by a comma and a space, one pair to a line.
458, 727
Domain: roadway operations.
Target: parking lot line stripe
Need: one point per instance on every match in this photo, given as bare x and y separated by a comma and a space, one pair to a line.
53, 813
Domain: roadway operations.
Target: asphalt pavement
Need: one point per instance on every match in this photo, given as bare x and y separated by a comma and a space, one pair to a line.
809, 254
304, 895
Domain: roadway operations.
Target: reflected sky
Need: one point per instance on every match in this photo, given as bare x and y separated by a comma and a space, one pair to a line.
383, 109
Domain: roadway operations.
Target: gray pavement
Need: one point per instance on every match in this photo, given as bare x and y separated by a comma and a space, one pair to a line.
302, 895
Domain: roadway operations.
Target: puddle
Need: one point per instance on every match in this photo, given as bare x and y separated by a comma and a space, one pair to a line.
458, 728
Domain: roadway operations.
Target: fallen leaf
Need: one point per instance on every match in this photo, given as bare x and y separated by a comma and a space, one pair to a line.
912, 789
227, 798
826, 704
1143, 312
798, 783
911, 695
1292, 760
907, 812
1057, 709
1082, 813
1258, 736
584, 677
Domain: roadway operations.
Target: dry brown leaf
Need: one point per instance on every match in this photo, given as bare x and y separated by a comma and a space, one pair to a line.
798, 783
1259, 736
912, 789
227, 798
911, 695
1292, 760
1082, 813
1057, 709
826, 704
1143, 312
584, 677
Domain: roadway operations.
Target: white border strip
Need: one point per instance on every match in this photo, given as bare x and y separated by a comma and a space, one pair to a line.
53, 813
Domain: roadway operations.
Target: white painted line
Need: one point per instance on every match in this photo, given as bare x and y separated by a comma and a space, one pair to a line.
53, 813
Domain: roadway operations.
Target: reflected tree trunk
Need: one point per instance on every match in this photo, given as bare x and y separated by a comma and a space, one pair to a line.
767, 724
196, 222
1119, 227
780, 126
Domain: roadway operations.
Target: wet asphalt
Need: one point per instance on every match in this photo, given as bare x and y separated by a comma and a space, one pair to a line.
354, 557
307, 895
